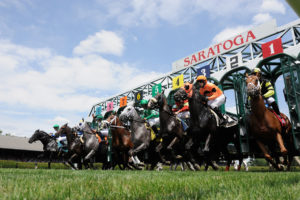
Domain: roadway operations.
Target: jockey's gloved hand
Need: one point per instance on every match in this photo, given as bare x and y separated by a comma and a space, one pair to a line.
206, 98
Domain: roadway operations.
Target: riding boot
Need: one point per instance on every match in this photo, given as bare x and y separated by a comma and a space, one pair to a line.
275, 108
154, 128
220, 115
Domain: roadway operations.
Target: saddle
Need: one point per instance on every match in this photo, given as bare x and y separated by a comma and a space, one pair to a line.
153, 136
280, 118
229, 122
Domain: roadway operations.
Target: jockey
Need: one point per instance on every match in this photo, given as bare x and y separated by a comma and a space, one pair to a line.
267, 90
62, 139
80, 127
181, 108
101, 131
214, 95
151, 116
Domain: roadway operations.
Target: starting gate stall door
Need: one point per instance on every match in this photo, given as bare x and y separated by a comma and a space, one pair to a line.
291, 76
235, 80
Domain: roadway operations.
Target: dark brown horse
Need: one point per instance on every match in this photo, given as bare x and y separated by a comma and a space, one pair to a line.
121, 142
75, 148
265, 127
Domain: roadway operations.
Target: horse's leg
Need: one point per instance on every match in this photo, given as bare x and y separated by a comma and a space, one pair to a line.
279, 139
239, 151
90, 154
134, 151
70, 161
50, 159
266, 154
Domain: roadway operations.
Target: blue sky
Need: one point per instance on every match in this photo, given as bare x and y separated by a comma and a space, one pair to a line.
58, 58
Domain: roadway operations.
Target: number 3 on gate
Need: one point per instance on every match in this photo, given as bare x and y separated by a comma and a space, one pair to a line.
272, 48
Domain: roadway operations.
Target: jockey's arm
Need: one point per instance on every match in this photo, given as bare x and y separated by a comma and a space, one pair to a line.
216, 92
270, 89
153, 114
185, 107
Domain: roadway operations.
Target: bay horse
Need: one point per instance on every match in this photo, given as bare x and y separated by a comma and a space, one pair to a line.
121, 141
140, 136
50, 146
77, 150
266, 128
171, 129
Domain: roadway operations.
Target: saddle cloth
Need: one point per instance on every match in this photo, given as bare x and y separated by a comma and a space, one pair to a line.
280, 119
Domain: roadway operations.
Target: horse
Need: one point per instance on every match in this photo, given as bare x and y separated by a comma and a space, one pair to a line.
171, 129
204, 125
140, 135
50, 146
121, 142
266, 128
75, 147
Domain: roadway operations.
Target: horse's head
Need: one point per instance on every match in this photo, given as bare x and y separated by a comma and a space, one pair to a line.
180, 95
112, 120
253, 85
36, 136
128, 114
158, 101
63, 130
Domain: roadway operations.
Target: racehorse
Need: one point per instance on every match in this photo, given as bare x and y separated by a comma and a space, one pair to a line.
76, 149
204, 125
140, 135
121, 142
50, 146
171, 129
266, 128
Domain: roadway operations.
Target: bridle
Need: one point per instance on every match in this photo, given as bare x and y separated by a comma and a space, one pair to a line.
254, 90
110, 124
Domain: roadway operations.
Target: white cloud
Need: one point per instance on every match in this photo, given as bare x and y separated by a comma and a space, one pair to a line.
261, 18
61, 83
41, 82
228, 33
60, 120
273, 6
106, 42
176, 12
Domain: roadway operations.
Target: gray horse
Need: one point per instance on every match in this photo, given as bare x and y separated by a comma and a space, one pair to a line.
140, 135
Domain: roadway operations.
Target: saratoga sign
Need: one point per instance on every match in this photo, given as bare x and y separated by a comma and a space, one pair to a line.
227, 45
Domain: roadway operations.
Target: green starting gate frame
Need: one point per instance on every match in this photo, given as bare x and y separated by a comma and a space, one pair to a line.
235, 80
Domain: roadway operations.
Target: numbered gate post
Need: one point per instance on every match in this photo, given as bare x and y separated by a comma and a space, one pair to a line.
109, 149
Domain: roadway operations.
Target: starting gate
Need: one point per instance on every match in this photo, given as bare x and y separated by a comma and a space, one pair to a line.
267, 46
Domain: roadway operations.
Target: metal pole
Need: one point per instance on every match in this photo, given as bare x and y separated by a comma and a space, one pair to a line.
109, 149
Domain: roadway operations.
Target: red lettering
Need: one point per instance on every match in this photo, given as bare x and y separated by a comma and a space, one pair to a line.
226, 42
210, 51
186, 61
218, 47
250, 34
241, 41
193, 59
201, 54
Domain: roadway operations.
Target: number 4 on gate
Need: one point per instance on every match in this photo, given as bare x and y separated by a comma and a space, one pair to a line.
272, 48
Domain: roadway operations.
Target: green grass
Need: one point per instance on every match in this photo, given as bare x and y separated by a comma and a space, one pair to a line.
68, 184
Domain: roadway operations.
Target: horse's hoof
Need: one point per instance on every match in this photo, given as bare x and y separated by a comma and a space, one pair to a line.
214, 166
197, 167
239, 168
227, 169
